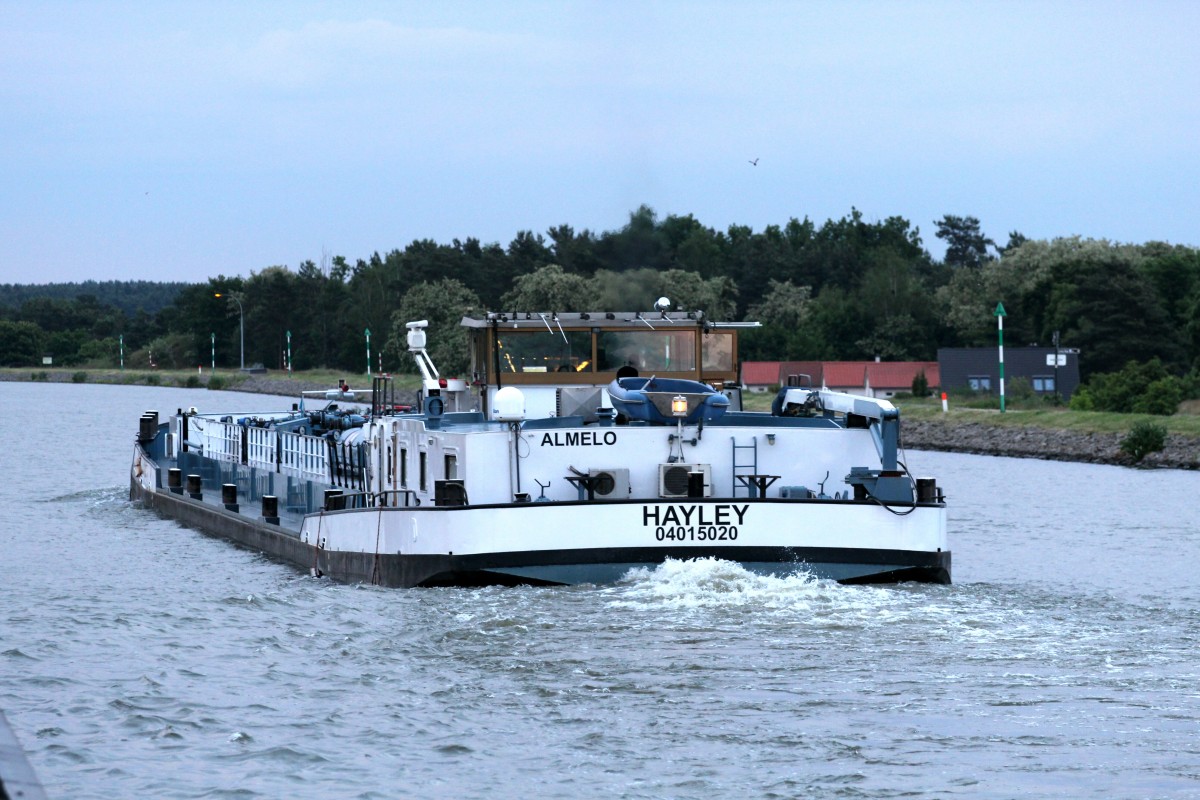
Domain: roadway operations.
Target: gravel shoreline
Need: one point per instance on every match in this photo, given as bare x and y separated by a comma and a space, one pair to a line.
947, 435
1180, 452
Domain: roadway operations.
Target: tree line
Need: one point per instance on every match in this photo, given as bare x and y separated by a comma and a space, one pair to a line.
847, 289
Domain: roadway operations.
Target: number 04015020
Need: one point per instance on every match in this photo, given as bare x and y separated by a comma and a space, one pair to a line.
696, 533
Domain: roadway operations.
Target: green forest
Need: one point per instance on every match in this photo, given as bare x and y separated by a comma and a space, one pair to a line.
849, 288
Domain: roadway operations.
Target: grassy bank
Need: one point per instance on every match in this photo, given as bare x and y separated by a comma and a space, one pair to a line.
1053, 418
1036, 415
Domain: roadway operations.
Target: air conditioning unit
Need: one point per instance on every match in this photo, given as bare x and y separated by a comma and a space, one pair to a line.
613, 484
673, 479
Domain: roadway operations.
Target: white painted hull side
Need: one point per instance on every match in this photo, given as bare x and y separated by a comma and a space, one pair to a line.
600, 542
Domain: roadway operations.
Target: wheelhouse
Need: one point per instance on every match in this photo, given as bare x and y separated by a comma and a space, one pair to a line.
529, 349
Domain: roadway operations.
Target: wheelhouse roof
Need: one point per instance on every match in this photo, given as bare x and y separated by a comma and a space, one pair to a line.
577, 320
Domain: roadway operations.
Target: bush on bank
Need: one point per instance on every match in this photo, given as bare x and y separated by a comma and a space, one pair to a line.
1144, 438
1139, 388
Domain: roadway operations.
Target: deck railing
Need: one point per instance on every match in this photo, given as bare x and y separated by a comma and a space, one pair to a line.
303, 456
262, 449
221, 441
291, 454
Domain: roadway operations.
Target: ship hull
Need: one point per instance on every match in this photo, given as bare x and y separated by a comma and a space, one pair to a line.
578, 542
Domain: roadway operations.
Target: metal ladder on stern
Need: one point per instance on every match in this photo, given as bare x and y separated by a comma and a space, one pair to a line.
744, 463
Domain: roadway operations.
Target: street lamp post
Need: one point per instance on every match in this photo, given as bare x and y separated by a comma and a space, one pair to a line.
241, 324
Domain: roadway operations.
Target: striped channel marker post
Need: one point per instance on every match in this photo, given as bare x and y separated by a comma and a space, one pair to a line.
1000, 315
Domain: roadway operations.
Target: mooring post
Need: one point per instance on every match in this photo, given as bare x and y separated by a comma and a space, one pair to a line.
270, 509
229, 496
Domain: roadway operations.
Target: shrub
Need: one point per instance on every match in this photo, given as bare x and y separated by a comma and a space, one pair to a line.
100, 352
40, 376
152, 379
920, 385
79, 377
216, 382
1082, 401
1144, 438
1019, 389
192, 382
173, 351
1161, 397
1118, 391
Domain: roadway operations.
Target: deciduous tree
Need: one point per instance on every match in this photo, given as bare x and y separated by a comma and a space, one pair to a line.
548, 289
443, 303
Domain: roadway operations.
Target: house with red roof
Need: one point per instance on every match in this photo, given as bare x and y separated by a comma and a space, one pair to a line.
845, 376
791, 373
759, 376
871, 378
889, 378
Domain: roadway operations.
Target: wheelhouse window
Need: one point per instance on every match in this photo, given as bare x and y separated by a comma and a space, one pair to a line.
716, 352
647, 351
545, 351
979, 383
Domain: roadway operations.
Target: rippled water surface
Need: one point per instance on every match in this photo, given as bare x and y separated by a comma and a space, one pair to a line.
142, 659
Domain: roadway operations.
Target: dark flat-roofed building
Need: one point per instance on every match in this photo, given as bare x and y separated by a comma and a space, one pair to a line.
978, 368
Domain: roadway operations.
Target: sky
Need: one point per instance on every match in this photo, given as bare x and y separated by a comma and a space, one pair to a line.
174, 141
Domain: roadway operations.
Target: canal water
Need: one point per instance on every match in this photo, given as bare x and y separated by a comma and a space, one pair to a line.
142, 659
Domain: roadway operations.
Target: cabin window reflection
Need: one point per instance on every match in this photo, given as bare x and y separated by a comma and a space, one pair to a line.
647, 351
404, 467
545, 351
716, 352
422, 471
450, 463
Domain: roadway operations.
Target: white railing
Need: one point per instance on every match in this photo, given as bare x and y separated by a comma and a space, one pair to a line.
290, 453
222, 441
261, 448
303, 456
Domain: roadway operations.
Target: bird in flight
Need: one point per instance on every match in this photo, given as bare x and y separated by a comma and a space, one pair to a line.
754, 162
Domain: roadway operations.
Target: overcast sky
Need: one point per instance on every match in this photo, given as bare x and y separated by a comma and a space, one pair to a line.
178, 141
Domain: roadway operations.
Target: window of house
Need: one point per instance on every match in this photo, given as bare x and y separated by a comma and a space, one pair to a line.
980, 383
1043, 383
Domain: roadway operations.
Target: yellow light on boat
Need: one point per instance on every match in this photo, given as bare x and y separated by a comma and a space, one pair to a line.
679, 405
